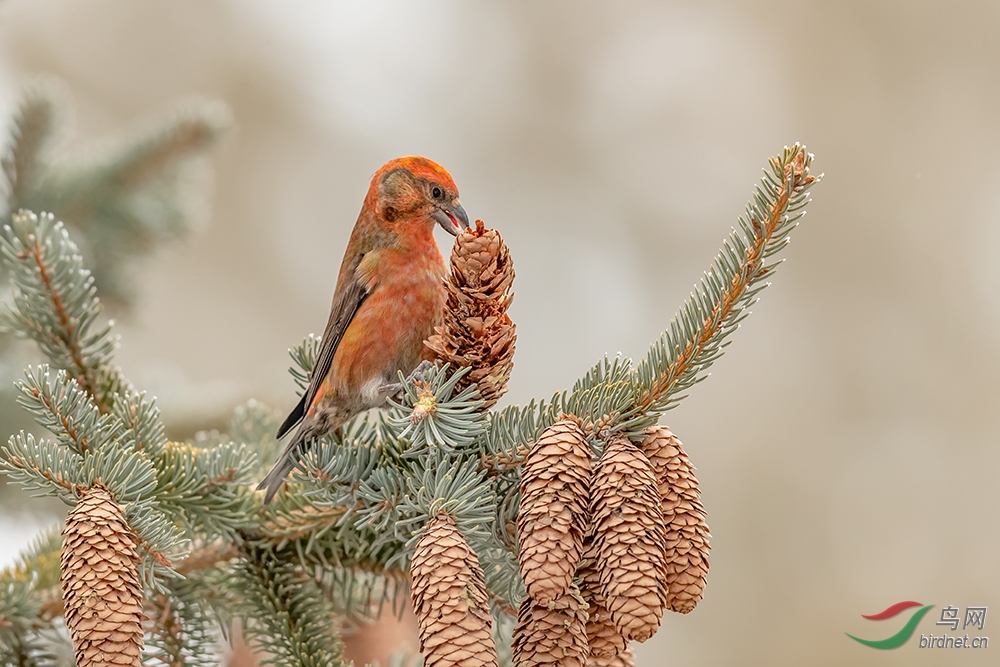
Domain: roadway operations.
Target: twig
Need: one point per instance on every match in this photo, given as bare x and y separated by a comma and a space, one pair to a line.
84, 375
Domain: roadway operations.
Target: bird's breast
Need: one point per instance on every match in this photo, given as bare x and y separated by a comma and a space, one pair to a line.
388, 332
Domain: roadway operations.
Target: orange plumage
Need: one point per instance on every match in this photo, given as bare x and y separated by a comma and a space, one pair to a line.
389, 297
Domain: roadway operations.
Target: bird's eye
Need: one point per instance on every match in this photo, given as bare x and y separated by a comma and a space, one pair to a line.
437, 192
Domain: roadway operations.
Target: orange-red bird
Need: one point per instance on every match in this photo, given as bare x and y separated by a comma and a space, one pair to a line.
389, 297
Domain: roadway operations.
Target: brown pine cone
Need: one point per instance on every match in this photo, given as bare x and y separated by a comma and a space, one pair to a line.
477, 332
623, 659
687, 532
552, 634
552, 517
448, 592
604, 638
629, 536
101, 592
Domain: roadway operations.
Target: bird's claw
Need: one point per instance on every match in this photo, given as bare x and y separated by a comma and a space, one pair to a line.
420, 372
395, 390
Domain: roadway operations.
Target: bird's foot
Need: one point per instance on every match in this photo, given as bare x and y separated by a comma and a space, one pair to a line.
394, 390
420, 372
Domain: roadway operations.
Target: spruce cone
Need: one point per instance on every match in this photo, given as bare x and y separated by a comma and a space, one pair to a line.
552, 634
623, 659
449, 598
629, 536
477, 332
605, 640
101, 592
552, 518
687, 533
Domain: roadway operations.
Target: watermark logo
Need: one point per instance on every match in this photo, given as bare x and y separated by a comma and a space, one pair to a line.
974, 618
904, 634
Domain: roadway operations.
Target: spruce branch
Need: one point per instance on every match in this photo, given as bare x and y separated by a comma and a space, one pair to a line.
26, 650
56, 304
158, 540
39, 563
209, 556
429, 416
32, 131
60, 405
205, 490
697, 335
453, 486
93, 450
359, 596
291, 621
293, 522
140, 415
614, 397
42, 465
255, 424
125, 194
304, 357
25, 638
179, 632
152, 149
90, 446
330, 516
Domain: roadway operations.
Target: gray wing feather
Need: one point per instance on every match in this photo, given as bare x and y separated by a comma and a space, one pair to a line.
341, 314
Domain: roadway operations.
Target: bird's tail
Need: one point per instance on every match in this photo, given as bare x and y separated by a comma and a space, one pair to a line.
300, 443
296, 447
277, 476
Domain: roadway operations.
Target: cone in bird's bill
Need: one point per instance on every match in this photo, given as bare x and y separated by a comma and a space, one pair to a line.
477, 332
448, 592
553, 514
102, 595
687, 535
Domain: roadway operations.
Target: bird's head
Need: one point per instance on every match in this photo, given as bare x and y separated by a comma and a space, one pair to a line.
415, 190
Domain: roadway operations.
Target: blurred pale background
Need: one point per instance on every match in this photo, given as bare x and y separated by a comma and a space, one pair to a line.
846, 443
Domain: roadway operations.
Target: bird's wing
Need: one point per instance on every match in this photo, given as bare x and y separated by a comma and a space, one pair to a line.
341, 314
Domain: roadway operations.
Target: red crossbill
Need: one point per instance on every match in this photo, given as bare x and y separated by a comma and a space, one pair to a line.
389, 297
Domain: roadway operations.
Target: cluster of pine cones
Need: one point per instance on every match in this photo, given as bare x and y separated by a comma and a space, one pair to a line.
604, 548
604, 551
